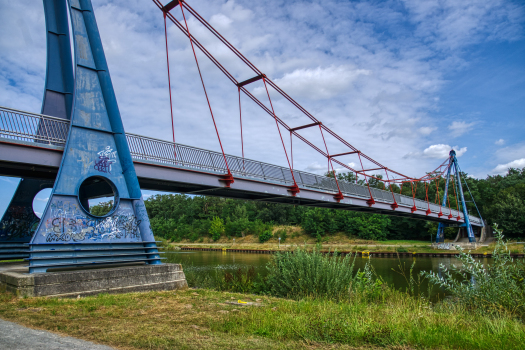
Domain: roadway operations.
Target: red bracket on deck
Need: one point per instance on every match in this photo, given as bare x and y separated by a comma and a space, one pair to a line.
428, 212
450, 216
339, 197
294, 189
251, 80
413, 209
440, 214
371, 202
227, 179
394, 206
459, 217
170, 6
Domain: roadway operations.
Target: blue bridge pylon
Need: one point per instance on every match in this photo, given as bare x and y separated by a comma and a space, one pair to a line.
96, 163
454, 171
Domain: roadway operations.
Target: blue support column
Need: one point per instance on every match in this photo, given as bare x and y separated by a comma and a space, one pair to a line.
96, 163
19, 221
470, 232
453, 165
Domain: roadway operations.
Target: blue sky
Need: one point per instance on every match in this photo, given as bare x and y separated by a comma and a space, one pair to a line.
403, 81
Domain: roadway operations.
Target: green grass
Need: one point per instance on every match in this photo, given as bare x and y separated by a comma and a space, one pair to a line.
201, 319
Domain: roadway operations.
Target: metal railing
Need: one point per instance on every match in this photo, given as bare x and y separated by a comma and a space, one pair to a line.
32, 127
39, 128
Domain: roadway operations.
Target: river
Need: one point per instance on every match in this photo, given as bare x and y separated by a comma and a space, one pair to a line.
207, 262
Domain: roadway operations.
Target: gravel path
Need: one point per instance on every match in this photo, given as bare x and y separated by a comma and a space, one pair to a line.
16, 337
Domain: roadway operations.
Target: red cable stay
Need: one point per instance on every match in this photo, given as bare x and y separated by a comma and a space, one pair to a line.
169, 84
241, 86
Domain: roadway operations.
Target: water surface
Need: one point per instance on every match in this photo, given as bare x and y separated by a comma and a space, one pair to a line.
208, 262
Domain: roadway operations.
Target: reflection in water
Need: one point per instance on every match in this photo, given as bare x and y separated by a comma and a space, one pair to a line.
387, 267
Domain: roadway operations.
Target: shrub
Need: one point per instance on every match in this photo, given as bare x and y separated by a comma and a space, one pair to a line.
237, 227
494, 288
301, 274
368, 226
282, 233
265, 235
216, 228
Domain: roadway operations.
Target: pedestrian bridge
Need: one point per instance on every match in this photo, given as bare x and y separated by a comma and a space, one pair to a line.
31, 146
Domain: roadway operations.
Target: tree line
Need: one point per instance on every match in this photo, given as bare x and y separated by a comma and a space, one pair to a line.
499, 198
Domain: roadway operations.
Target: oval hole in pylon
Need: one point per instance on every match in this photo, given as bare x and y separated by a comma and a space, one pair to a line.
40, 201
98, 196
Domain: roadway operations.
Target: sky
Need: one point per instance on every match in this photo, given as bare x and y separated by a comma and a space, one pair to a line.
404, 81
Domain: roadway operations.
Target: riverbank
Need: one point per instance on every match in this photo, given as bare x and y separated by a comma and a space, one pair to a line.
339, 242
205, 319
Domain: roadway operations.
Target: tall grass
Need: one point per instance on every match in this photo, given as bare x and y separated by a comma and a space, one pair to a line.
314, 274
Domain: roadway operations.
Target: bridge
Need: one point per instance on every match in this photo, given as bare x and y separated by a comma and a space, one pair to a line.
167, 166
79, 147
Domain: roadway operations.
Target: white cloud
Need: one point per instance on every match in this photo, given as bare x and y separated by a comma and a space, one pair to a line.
460, 128
427, 130
439, 151
500, 142
356, 66
319, 83
502, 168
450, 24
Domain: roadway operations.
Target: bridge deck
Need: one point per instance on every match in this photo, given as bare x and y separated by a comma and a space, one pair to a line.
31, 145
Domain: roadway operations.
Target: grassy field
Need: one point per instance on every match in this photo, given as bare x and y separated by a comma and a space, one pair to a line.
203, 319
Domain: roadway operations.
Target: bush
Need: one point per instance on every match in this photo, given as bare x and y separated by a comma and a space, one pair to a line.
368, 226
494, 288
237, 228
265, 235
282, 233
216, 228
301, 274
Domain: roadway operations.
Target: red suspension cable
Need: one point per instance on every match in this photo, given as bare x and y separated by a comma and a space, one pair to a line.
229, 179
295, 188
169, 78
240, 120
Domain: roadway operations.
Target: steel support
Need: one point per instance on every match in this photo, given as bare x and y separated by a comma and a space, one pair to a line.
19, 222
453, 165
96, 154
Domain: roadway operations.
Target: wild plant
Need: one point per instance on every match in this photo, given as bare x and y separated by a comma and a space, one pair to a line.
413, 282
314, 274
495, 287
239, 281
368, 284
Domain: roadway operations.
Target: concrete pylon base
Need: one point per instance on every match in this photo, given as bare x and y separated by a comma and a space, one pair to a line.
68, 284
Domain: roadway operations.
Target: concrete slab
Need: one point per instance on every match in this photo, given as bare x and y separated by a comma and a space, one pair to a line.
124, 279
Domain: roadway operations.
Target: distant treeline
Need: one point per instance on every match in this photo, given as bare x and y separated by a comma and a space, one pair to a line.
499, 199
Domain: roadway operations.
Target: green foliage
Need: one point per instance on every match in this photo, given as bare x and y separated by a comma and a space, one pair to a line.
216, 228
499, 198
281, 233
239, 281
369, 227
301, 274
101, 209
265, 236
494, 288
